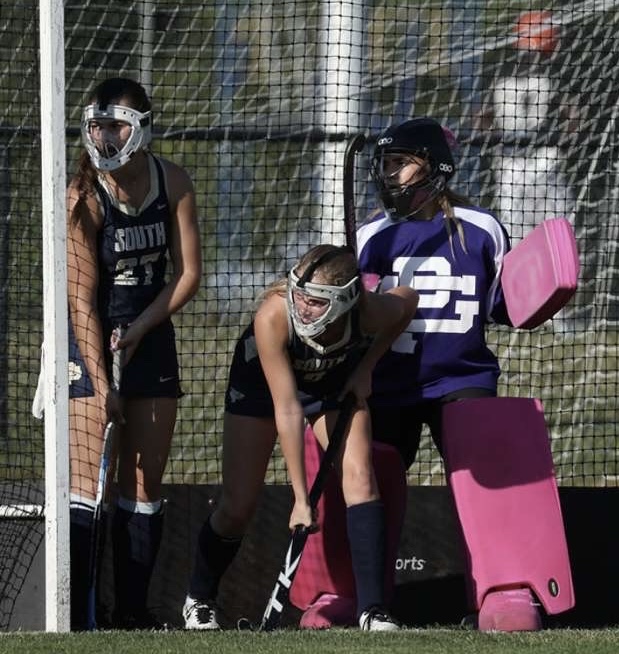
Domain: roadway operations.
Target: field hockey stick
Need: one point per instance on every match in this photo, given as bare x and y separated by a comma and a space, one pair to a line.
281, 591
104, 467
354, 146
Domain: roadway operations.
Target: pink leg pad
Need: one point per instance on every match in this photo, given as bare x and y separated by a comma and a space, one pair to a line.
500, 469
329, 610
509, 610
325, 564
324, 577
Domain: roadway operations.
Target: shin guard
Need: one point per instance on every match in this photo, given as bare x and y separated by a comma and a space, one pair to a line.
136, 541
500, 469
80, 549
325, 568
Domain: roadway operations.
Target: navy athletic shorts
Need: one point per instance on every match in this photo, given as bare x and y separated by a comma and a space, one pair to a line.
152, 371
257, 403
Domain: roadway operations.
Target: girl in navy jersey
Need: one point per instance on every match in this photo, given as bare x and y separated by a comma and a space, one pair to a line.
129, 214
316, 335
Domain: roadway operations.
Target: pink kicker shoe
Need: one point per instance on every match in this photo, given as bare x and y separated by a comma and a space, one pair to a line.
329, 611
509, 610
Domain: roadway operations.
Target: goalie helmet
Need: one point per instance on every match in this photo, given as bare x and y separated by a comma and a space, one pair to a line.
339, 298
107, 154
420, 137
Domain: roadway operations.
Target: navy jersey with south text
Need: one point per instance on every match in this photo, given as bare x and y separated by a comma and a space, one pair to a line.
443, 349
133, 249
320, 377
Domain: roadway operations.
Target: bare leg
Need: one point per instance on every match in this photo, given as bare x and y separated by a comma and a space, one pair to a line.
143, 448
86, 423
364, 517
247, 447
355, 462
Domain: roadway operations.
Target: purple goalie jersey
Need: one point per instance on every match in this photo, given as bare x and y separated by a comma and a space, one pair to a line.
444, 348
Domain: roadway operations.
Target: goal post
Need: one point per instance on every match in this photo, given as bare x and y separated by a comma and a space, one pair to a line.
55, 332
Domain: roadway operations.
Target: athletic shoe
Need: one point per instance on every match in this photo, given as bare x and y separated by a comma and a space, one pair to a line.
199, 614
328, 611
377, 619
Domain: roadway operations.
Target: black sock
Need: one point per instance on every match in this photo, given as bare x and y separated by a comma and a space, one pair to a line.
214, 555
366, 535
81, 516
136, 541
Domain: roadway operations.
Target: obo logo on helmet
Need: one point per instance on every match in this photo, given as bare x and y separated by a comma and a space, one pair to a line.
421, 137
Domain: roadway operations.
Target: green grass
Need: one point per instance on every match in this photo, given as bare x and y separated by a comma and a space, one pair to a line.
413, 641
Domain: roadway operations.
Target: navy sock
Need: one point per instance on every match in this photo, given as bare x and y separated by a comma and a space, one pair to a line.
214, 555
81, 517
366, 535
136, 541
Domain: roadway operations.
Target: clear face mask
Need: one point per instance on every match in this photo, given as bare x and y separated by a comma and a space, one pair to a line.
393, 170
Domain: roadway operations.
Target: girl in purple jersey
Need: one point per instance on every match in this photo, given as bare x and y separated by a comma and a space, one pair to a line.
431, 238
315, 337
129, 212
435, 240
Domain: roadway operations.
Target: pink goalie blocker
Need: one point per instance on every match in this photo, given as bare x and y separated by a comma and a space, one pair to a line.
540, 274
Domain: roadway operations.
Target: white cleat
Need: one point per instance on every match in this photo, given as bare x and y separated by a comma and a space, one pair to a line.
377, 619
199, 614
